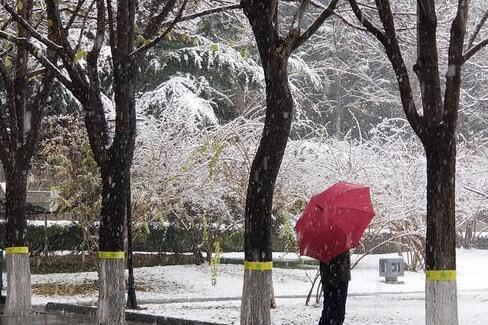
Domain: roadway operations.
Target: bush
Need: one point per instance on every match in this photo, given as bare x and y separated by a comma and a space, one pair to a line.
74, 263
61, 237
173, 239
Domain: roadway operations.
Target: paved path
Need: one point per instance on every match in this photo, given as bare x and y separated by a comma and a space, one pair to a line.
371, 309
50, 319
45, 319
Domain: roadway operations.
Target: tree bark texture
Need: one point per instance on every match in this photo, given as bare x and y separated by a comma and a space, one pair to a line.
440, 150
15, 201
259, 200
114, 183
111, 300
18, 285
441, 303
256, 297
115, 169
267, 162
18, 269
436, 129
441, 296
257, 288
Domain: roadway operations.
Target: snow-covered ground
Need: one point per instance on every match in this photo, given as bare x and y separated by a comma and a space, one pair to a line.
371, 301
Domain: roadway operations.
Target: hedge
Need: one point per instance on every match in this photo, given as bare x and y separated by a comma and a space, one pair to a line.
171, 239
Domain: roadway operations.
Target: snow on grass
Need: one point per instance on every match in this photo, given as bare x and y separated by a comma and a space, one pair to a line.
371, 300
400, 309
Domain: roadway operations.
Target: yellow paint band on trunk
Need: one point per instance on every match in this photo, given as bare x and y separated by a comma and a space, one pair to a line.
111, 255
258, 266
17, 250
440, 275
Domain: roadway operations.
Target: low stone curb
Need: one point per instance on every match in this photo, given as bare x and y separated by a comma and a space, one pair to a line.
282, 264
129, 316
163, 301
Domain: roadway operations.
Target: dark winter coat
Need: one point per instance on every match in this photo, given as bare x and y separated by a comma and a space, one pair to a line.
336, 270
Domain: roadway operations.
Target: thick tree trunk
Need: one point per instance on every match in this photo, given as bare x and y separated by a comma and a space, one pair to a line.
115, 171
111, 299
441, 292
441, 302
256, 297
18, 284
257, 290
18, 268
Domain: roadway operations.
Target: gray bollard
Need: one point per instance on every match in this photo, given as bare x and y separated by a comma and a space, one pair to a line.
391, 269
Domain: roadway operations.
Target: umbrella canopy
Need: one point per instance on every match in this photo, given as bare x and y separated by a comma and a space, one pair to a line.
334, 221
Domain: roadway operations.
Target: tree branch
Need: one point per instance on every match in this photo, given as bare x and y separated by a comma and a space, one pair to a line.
477, 29
152, 43
173, 22
315, 25
36, 52
389, 41
477, 192
156, 21
475, 49
111, 28
427, 65
74, 14
348, 23
30, 29
92, 58
455, 62
367, 24
83, 25
37, 113
68, 55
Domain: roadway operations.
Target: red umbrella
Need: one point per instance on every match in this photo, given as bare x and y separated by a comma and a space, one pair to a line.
334, 221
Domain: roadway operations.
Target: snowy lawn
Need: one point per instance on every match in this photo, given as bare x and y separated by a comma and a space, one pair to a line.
371, 301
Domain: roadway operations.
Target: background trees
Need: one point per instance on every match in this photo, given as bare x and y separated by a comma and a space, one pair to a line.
202, 92
66, 160
112, 152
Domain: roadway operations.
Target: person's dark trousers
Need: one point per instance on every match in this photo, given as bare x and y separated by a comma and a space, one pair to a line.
334, 311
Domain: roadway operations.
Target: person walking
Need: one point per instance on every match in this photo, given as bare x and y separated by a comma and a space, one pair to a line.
335, 276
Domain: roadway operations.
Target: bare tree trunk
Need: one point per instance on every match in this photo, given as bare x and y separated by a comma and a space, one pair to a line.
115, 171
111, 300
18, 284
256, 294
441, 292
274, 52
257, 290
18, 268
441, 302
